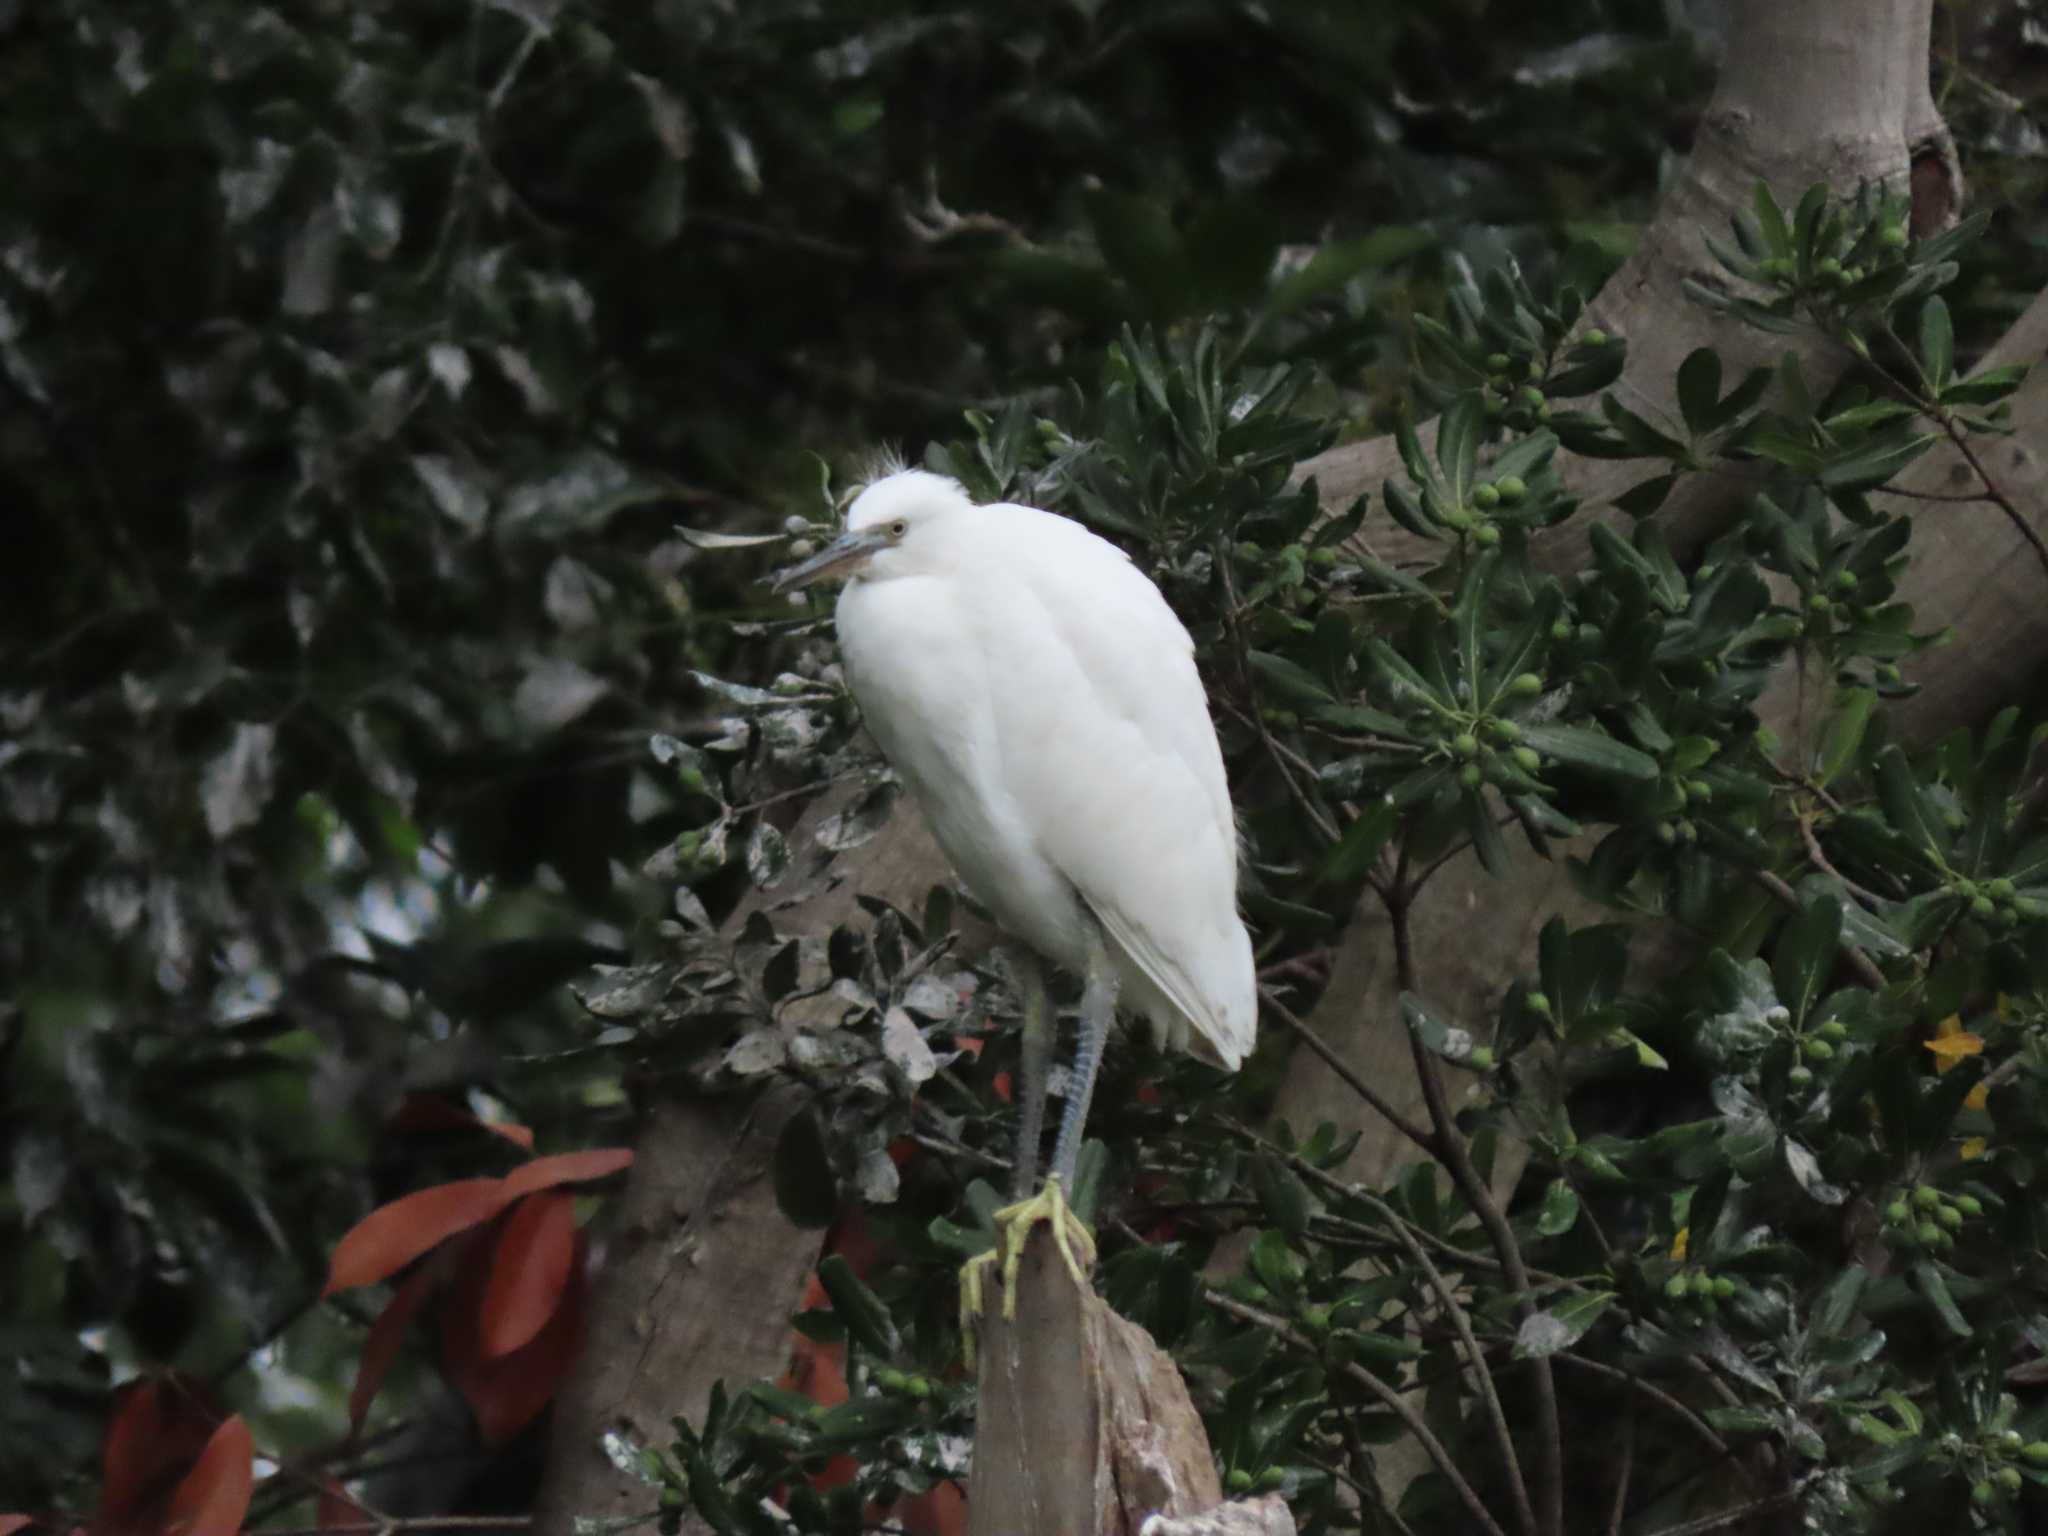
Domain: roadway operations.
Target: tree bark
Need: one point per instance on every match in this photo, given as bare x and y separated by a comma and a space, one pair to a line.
702, 1270
1084, 1425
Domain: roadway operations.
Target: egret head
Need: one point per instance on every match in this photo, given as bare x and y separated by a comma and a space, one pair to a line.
882, 530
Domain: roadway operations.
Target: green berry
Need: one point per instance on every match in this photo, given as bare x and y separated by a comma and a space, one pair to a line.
1316, 1319
1949, 1216
2008, 1478
2001, 888
1561, 631
1818, 1049
1465, 744
2036, 1452
2009, 1438
1240, 1481
1688, 831
1667, 834
1676, 1288
1983, 1492
1927, 1197
1833, 1029
1273, 1477
1700, 790
1969, 1205
1702, 1283
1799, 1076
1828, 266
1527, 685
1527, 759
1530, 396
1928, 1233
1503, 730
1479, 1058
1471, 776
1889, 673
1892, 237
1594, 337
1485, 496
1897, 1212
1589, 636
1323, 559
1983, 906
1486, 535
1539, 1004
1723, 1287
1497, 362
1512, 488
919, 1387
1818, 603
1845, 580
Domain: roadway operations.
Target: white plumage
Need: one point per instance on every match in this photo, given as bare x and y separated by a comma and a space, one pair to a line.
1041, 701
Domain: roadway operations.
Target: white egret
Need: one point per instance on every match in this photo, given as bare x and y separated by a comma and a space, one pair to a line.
1040, 700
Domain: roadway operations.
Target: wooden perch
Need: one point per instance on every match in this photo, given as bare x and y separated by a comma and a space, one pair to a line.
1085, 1426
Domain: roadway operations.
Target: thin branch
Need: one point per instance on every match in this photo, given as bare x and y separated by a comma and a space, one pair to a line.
1518, 1486
1352, 1080
1394, 1402
1628, 1467
1705, 1432
1735, 1516
1992, 493
1457, 1157
396, 1527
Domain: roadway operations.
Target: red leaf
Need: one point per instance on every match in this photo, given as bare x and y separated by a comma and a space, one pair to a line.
337, 1508
9, 1524
567, 1168
529, 1272
158, 1427
215, 1494
381, 1347
393, 1235
508, 1392
422, 1112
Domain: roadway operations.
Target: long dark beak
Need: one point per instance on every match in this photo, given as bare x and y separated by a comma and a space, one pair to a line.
843, 554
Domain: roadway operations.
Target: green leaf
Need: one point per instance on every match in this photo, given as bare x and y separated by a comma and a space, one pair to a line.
1805, 955
1360, 845
1937, 344
804, 1185
1561, 1326
1928, 1281
1399, 675
1559, 1212
1284, 1196
1594, 751
1290, 678
1337, 263
867, 1319
1457, 444
1844, 733
1699, 389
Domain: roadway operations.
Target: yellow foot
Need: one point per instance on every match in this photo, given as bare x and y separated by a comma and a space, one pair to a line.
1013, 1229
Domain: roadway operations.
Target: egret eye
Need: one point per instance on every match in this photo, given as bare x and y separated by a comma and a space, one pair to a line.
898, 528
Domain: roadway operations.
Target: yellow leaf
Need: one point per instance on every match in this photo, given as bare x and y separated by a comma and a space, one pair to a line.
1977, 1097
1678, 1245
1951, 1043
1973, 1149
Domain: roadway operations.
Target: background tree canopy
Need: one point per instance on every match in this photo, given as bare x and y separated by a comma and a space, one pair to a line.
360, 362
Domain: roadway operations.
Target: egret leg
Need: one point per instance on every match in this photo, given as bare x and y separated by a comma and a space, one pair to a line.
1034, 1068
1098, 1011
1070, 1234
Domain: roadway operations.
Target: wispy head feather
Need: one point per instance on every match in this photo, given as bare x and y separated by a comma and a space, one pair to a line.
876, 464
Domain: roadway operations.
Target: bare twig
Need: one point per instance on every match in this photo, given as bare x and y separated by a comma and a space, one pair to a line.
1352, 1080
1621, 1482
1705, 1432
1457, 1157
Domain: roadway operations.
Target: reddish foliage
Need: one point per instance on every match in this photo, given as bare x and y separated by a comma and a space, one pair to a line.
940, 1512
215, 1493
567, 1168
158, 1428
421, 1112
9, 1524
381, 1347
337, 1508
506, 1392
393, 1235
529, 1271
